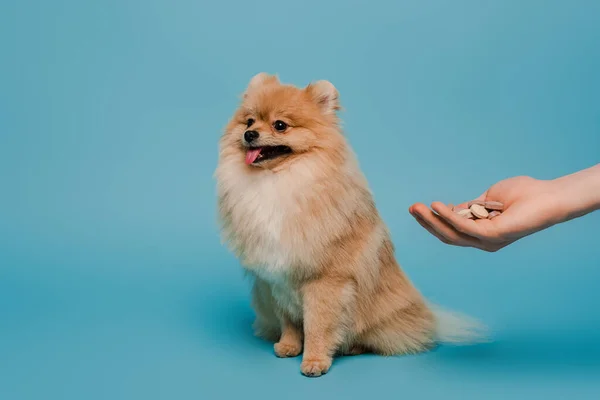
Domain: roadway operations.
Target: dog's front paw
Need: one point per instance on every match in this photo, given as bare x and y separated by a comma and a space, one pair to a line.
287, 349
315, 366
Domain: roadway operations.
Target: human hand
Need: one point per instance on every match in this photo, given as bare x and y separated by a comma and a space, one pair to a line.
530, 205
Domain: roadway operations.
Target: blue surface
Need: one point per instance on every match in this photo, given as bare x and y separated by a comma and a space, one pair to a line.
113, 283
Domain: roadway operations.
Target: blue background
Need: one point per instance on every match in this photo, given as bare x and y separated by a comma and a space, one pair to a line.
113, 282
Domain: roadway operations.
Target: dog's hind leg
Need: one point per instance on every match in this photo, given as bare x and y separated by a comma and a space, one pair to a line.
409, 331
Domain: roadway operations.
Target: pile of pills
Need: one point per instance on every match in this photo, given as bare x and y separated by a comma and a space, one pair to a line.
479, 209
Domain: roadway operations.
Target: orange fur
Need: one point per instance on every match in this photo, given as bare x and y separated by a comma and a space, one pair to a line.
307, 230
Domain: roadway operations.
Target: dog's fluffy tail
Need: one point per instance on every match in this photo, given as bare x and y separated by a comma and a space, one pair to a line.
458, 329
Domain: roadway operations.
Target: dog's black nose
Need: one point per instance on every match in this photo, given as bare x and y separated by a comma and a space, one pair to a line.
250, 136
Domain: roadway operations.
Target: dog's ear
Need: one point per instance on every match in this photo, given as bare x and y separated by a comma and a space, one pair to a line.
259, 80
325, 95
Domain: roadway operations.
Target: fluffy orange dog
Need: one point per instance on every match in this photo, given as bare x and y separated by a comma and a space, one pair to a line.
297, 210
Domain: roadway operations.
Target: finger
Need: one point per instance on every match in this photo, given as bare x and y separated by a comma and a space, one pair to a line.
485, 246
466, 226
425, 225
445, 230
430, 229
442, 228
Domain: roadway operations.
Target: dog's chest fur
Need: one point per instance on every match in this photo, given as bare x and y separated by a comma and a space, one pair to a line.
265, 220
264, 208
270, 222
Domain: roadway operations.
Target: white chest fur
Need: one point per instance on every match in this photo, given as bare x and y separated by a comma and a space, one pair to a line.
260, 204
266, 222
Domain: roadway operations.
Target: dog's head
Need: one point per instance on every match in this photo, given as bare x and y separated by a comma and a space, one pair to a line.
278, 123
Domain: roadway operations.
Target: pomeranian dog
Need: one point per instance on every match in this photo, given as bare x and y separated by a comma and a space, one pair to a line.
297, 211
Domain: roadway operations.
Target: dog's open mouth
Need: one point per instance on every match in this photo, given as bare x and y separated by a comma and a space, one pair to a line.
255, 155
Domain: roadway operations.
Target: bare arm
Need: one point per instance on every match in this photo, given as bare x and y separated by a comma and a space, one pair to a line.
580, 192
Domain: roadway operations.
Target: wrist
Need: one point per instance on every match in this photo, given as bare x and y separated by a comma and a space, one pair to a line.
577, 194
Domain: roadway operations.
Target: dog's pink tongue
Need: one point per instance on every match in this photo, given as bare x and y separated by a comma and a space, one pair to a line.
251, 155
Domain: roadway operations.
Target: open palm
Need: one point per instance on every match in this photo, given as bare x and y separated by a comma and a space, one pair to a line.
529, 206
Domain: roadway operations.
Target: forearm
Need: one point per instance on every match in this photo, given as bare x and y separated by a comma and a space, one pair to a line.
579, 193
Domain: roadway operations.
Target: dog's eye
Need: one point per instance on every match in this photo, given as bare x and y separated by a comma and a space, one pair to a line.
280, 126
249, 122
